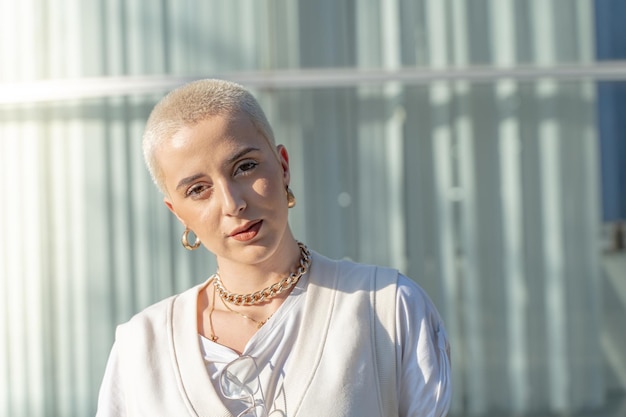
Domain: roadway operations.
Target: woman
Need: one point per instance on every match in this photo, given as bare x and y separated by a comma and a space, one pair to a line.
278, 330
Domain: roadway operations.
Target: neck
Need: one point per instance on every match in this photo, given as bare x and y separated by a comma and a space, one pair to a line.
246, 278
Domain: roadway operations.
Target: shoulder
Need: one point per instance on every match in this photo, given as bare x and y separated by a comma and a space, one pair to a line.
412, 301
349, 273
154, 318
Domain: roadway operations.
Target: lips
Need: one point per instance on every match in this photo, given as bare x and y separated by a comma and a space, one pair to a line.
247, 231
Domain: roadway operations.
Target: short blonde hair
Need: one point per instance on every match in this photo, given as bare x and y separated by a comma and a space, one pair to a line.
191, 104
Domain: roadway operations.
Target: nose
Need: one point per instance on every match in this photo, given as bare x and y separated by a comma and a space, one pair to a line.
233, 201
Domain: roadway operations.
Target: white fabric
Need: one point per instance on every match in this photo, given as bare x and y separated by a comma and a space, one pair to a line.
156, 363
271, 344
419, 354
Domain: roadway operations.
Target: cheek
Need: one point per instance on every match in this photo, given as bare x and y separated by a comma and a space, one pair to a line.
198, 216
265, 188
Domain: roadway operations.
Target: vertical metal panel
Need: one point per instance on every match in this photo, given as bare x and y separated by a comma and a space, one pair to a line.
581, 308
553, 251
477, 331
440, 46
550, 147
5, 394
15, 299
505, 54
89, 260
393, 133
466, 200
33, 266
8, 45
61, 272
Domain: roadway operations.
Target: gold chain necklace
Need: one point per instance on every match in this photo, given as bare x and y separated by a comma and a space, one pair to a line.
259, 296
212, 336
266, 293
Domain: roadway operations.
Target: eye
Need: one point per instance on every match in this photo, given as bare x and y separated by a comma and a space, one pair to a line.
198, 190
245, 167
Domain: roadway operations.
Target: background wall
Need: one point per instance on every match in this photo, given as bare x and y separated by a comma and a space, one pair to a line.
486, 193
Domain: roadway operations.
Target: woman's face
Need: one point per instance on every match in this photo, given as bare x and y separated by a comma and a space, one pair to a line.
226, 183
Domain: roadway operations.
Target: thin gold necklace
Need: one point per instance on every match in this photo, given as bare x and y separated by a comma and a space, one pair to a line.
212, 337
259, 324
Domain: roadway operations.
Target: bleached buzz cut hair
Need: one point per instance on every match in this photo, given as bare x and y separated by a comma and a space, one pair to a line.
192, 103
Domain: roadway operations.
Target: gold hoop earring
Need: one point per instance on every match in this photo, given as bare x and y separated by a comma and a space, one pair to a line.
185, 241
291, 199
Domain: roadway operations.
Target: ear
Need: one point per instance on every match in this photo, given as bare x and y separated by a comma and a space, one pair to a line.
169, 205
283, 158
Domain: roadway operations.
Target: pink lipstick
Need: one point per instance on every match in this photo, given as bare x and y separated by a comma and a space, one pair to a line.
246, 232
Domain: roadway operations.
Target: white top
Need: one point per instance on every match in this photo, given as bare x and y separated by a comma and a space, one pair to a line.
328, 350
273, 342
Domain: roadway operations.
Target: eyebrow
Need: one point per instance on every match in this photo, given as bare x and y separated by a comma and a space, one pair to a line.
241, 153
244, 151
188, 180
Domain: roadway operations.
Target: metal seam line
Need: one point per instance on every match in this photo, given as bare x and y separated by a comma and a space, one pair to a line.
100, 87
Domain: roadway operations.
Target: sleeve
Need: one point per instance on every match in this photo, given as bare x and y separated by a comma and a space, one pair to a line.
423, 354
111, 396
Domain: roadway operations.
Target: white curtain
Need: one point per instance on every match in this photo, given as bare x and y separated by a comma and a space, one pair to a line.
484, 193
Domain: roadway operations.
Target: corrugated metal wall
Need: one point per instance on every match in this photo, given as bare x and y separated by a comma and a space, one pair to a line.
486, 194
